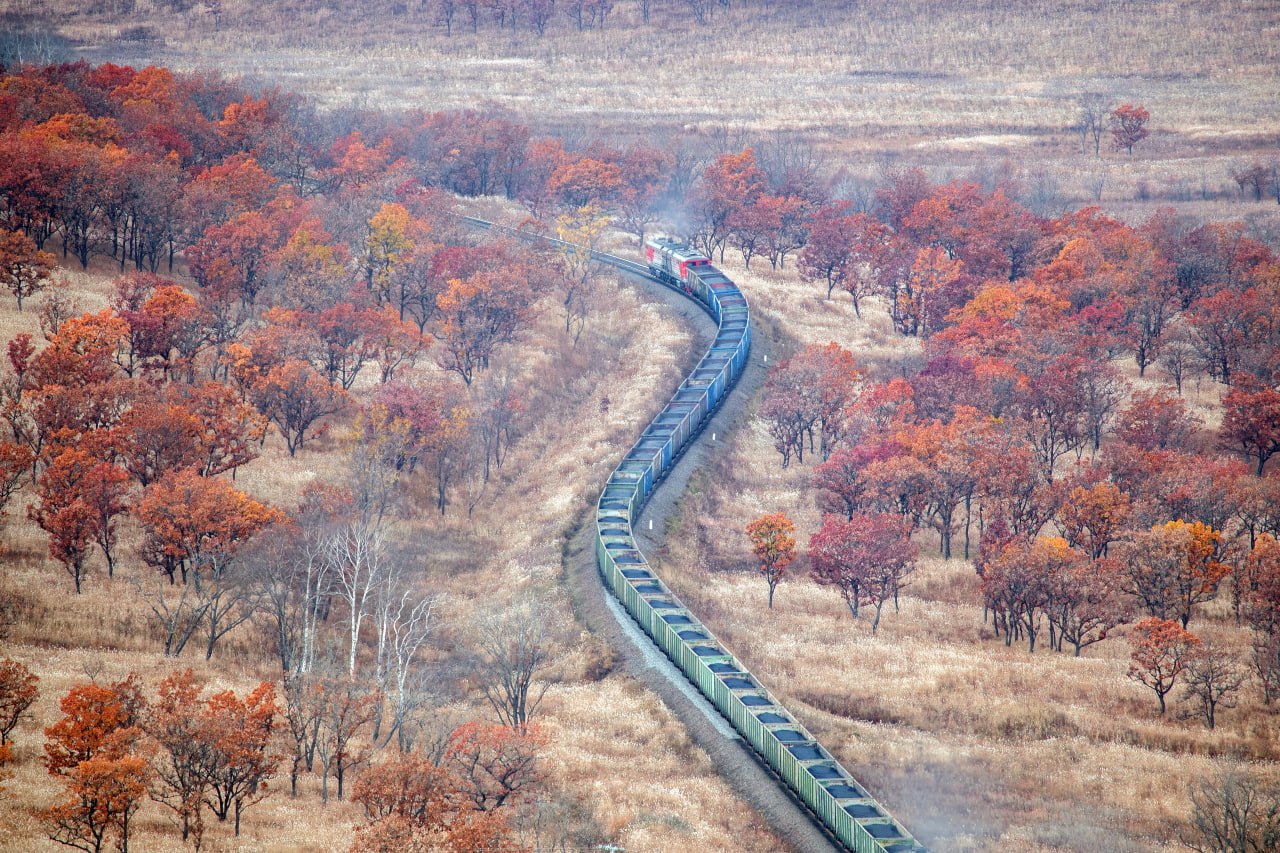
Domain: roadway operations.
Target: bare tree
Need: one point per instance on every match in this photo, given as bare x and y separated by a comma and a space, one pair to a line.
1212, 681
358, 562
291, 582
578, 230
231, 598
304, 708
1234, 812
348, 707
1177, 354
411, 624
1093, 119
513, 650
1254, 176
177, 611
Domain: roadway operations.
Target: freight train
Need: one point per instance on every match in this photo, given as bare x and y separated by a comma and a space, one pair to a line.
833, 796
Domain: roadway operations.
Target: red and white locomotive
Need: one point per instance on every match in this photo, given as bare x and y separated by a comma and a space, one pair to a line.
671, 260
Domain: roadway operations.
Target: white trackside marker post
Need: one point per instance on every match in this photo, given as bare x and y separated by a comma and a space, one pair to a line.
713, 436
651, 524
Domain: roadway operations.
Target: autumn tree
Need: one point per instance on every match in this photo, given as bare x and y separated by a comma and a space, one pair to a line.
813, 391
867, 558
239, 734
1129, 125
1156, 420
1262, 610
92, 749
231, 260
18, 691
1020, 577
479, 313
645, 174
498, 765
413, 804
1092, 517
1085, 604
730, 184
294, 397
103, 795
80, 500
1173, 567
24, 269
773, 543
167, 328
193, 523
15, 467
1162, 650
1222, 328
828, 254
182, 763
1251, 424
923, 290
585, 182
311, 270
948, 460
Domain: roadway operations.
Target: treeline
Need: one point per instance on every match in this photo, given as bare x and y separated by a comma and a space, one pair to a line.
1093, 500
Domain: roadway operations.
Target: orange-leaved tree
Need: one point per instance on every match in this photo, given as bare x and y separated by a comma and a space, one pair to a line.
414, 804
1173, 567
293, 396
181, 764
15, 466
191, 522
1162, 649
773, 542
238, 733
496, 765
24, 269
1129, 125
93, 751
18, 691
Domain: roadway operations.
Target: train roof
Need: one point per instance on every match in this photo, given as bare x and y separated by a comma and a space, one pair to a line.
681, 250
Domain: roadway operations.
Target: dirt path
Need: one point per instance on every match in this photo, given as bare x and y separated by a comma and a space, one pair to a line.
736, 762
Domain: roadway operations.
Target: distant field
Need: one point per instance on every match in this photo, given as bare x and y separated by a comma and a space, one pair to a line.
985, 90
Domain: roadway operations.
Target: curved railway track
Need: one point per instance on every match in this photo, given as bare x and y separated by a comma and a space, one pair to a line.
820, 785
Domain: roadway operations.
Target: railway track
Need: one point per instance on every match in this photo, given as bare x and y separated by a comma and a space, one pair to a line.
847, 817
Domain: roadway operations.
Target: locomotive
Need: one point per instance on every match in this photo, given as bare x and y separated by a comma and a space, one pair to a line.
670, 261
